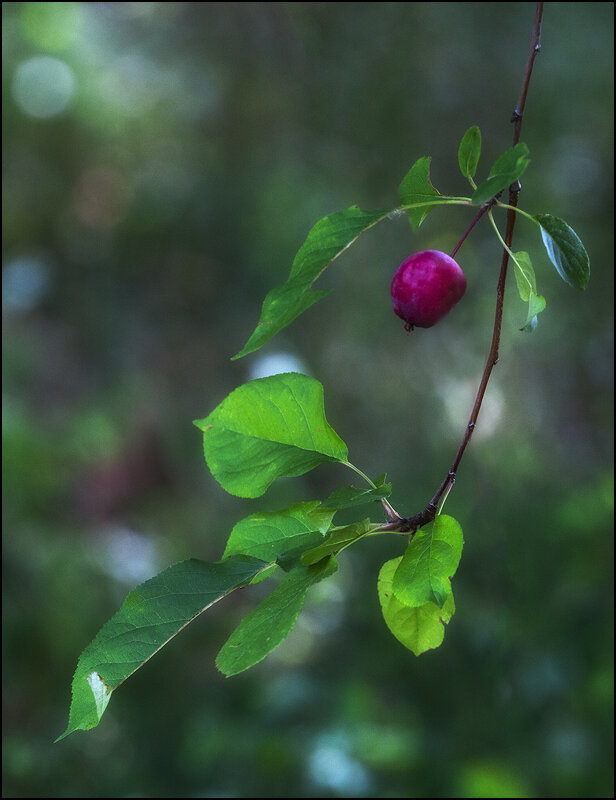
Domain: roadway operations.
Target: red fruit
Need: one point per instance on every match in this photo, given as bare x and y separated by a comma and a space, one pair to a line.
426, 286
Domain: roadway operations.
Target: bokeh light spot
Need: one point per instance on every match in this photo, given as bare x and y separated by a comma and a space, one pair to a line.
276, 364
43, 86
24, 283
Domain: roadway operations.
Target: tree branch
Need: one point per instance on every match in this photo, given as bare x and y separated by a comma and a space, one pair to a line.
411, 524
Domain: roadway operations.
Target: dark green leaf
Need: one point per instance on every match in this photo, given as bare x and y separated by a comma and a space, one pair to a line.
338, 540
325, 242
268, 428
151, 615
270, 534
272, 620
421, 628
565, 250
505, 171
417, 188
469, 152
432, 557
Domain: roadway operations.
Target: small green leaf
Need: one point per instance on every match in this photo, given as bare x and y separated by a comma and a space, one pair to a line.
151, 615
265, 627
524, 275
565, 250
270, 534
328, 238
419, 629
505, 171
432, 557
536, 304
350, 496
268, 428
469, 152
339, 539
417, 188
265, 575
527, 289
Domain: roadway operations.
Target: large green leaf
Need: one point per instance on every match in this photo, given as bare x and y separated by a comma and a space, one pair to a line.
469, 152
325, 242
272, 620
270, 534
421, 628
432, 557
565, 250
151, 615
268, 428
505, 171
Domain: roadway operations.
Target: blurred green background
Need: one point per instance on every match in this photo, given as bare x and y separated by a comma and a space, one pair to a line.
163, 162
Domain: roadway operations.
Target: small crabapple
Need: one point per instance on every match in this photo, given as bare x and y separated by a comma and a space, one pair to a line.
426, 286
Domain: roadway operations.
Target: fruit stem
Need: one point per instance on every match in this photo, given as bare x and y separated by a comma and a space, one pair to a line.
479, 215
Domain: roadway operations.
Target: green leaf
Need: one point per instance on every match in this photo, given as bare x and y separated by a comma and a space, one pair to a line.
565, 250
505, 171
350, 496
267, 573
431, 558
524, 275
272, 620
151, 615
417, 188
527, 289
338, 540
536, 304
469, 152
268, 428
270, 534
419, 629
325, 242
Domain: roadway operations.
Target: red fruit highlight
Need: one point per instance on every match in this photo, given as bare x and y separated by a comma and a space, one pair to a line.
426, 286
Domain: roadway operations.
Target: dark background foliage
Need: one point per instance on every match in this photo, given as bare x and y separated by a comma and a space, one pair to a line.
162, 166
